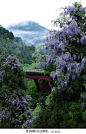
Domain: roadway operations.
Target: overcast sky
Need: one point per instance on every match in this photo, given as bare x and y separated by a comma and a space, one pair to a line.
40, 11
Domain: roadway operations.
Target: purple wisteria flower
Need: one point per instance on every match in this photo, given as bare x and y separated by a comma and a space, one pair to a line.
84, 96
83, 39
61, 25
36, 117
81, 96
30, 122
73, 77
65, 83
83, 61
40, 60
73, 17
53, 89
82, 105
62, 84
82, 10
11, 61
28, 97
40, 66
74, 56
83, 78
77, 40
68, 69
26, 124
1, 72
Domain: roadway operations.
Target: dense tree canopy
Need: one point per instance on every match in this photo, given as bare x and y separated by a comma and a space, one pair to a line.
15, 45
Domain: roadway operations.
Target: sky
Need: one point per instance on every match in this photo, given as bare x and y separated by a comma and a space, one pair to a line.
40, 11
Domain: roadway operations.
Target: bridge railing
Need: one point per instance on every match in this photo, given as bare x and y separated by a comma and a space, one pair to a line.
32, 70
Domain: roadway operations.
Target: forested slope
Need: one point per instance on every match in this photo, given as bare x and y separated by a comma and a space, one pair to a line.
16, 46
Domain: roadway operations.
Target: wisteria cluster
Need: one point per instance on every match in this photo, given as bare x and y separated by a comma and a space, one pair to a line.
67, 46
62, 41
14, 102
16, 105
82, 105
73, 68
1, 72
11, 73
10, 62
29, 121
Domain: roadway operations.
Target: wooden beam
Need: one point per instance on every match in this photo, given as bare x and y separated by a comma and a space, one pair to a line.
37, 84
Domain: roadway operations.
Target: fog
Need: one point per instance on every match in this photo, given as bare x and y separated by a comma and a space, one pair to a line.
33, 37
17, 32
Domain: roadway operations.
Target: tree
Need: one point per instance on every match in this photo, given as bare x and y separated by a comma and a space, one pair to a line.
66, 63
66, 46
12, 92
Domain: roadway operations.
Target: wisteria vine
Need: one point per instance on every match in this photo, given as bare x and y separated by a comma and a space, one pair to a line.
66, 46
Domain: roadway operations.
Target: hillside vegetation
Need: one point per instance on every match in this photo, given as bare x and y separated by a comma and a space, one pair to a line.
14, 45
28, 26
65, 62
29, 31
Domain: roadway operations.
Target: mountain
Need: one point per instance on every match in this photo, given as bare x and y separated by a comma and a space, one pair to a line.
17, 47
4, 33
1, 25
14, 45
30, 32
28, 26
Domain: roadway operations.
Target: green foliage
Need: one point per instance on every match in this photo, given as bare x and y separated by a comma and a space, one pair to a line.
59, 113
84, 116
6, 34
33, 92
14, 45
13, 80
63, 108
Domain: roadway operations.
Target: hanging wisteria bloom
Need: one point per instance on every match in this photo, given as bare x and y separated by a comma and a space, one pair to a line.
10, 62
65, 83
73, 77
83, 39
60, 40
1, 72
61, 25
83, 61
82, 105
82, 10
74, 56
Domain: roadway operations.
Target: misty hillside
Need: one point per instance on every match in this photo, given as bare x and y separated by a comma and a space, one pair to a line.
17, 47
30, 32
1, 25
28, 26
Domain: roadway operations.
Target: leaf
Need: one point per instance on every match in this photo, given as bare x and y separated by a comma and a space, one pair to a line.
70, 114
84, 116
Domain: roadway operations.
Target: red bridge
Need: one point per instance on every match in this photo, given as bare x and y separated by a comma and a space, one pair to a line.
35, 75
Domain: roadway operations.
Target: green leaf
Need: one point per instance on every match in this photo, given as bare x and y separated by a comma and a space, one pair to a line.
84, 116
70, 113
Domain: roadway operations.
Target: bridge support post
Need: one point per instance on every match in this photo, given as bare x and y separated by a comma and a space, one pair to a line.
37, 84
49, 81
